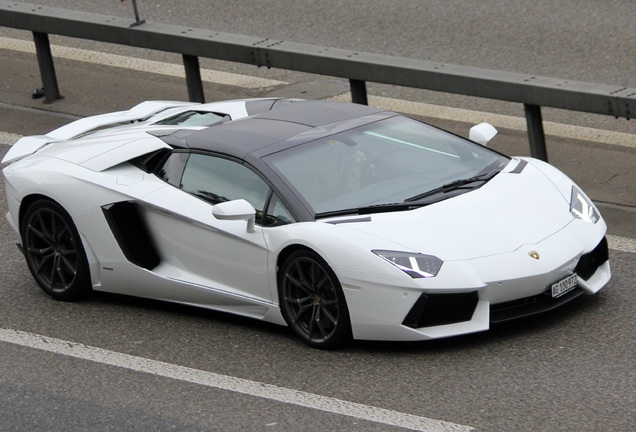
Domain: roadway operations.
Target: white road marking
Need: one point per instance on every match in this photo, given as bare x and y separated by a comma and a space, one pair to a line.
229, 383
7, 138
252, 388
622, 244
501, 121
407, 107
142, 65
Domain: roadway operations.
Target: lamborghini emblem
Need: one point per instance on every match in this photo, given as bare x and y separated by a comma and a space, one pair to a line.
534, 255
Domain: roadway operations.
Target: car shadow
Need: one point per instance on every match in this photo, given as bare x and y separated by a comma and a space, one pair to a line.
538, 325
183, 311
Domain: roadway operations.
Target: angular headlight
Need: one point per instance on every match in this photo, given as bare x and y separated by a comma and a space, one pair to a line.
581, 207
414, 264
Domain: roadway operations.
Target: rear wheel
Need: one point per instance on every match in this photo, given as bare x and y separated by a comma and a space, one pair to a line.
312, 301
54, 252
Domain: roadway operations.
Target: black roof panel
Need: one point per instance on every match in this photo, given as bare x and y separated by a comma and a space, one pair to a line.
317, 112
241, 137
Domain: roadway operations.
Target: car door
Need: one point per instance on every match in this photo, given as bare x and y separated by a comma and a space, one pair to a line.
223, 263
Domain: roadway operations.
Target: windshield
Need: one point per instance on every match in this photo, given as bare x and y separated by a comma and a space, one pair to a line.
383, 163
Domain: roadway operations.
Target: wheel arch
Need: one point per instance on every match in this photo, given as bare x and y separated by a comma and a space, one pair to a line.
287, 251
93, 261
342, 331
26, 203
61, 238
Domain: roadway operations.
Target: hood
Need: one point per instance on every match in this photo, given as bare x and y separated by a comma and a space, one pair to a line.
511, 210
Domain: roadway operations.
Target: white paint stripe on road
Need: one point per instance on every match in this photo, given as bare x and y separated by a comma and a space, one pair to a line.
407, 107
500, 120
142, 65
622, 244
229, 383
7, 138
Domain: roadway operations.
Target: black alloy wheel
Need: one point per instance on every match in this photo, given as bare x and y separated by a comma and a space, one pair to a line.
54, 252
312, 301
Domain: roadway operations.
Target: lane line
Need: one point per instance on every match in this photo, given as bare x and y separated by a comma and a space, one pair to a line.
622, 244
500, 120
142, 65
414, 108
252, 388
233, 384
8, 139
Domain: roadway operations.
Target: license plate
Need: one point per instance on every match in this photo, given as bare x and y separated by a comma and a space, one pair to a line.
564, 285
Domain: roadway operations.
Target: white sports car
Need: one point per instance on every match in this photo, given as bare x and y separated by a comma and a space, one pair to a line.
338, 220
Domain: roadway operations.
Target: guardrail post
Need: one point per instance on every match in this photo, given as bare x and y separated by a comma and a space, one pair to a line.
193, 78
47, 69
358, 92
536, 134
137, 20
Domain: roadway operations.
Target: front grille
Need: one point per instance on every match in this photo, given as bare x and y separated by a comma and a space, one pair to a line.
591, 261
439, 309
529, 306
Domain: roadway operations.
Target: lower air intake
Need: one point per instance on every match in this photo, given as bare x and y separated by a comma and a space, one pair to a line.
591, 261
439, 309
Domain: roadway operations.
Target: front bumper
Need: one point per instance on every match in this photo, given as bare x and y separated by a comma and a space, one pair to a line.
483, 291
593, 273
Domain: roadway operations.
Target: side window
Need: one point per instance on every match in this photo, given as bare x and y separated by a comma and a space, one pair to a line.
277, 214
217, 180
194, 118
172, 168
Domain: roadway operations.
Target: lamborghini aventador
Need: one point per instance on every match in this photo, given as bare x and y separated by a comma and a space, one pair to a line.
338, 220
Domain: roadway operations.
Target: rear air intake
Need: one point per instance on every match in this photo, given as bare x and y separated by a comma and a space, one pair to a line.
130, 231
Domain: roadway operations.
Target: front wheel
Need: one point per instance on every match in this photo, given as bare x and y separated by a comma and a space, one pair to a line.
312, 301
54, 252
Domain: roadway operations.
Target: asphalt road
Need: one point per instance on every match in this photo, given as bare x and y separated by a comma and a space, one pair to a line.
571, 39
572, 370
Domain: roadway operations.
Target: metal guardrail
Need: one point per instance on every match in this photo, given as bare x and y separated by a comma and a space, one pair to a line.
532, 91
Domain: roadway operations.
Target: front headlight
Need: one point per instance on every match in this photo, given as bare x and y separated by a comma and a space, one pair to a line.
414, 264
581, 206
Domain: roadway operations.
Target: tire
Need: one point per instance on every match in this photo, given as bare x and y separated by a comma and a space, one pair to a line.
54, 252
312, 301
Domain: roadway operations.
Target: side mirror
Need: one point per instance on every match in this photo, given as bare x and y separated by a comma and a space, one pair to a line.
482, 133
236, 210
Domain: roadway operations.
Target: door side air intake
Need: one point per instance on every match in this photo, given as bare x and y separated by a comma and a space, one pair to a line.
127, 225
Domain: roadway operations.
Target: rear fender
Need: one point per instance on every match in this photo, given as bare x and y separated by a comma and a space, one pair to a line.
30, 144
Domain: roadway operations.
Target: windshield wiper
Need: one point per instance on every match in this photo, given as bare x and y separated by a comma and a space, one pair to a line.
414, 202
454, 185
382, 208
375, 208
